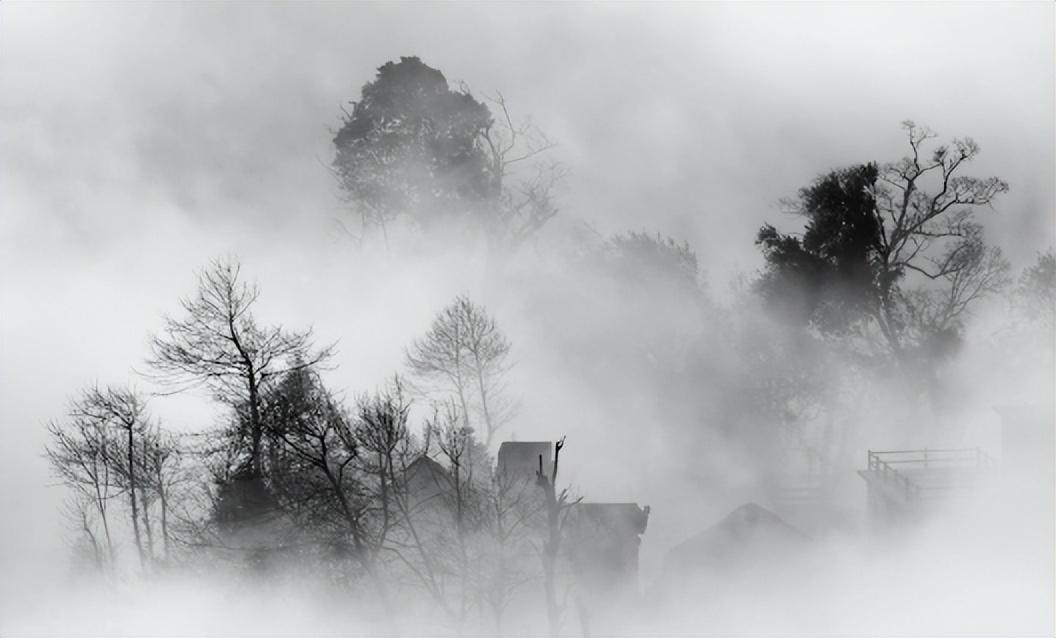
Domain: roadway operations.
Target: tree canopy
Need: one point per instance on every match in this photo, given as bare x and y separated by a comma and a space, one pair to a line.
892, 247
218, 344
416, 150
1035, 292
412, 146
465, 357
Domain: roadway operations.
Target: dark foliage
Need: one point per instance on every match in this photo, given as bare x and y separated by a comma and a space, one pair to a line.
412, 146
829, 276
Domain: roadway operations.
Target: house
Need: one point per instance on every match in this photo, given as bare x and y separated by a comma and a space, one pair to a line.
603, 546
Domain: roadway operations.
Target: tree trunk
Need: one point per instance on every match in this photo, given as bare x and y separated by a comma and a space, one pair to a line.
163, 500
101, 494
254, 425
552, 544
489, 428
132, 496
147, 527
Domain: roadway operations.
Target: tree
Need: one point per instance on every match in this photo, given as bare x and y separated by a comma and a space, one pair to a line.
412, 148
78, 512
508, 524
558, 505
1035, 292
314, 461
891, 247
650, 259
465, 355
465, 492
124, 412
162, 469
526, 204
219, 345
110, 447
79, 455
387, 450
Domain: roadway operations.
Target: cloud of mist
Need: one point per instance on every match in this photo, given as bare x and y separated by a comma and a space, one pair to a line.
139, 142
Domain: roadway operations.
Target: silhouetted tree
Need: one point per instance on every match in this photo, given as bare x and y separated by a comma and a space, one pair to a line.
387, 449
314, 460
893, 247
163, 476
219, 345
80, 456
124, 412
110, 447
413, 148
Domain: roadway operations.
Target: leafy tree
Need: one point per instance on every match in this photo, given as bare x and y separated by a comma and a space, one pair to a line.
650, 259
466, 356
1035, 293
828, 274
891, 247
640, 313
412, 148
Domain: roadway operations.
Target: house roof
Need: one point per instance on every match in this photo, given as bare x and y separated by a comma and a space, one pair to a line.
425, 466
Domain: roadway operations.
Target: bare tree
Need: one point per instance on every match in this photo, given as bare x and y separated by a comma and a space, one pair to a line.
558, 505
465, 355
510, 519
388, 450
925, 211
219, 345
78, 511
191, 480
314, 466
526, 205
124, 412
455, 442
162, 476
464, 492
109, 448
891, 259
79, 454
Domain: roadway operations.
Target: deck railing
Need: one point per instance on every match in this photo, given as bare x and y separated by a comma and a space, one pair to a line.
892, 466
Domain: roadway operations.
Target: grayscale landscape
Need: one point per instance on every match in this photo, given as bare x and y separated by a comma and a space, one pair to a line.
527, 319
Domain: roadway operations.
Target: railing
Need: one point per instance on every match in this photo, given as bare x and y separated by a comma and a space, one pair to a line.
892, 466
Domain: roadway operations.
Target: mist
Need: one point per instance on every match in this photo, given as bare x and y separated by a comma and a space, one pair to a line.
139, 143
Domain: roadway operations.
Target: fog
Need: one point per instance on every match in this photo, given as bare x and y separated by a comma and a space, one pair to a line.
138, 142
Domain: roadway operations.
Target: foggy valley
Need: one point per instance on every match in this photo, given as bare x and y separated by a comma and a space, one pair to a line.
457, 319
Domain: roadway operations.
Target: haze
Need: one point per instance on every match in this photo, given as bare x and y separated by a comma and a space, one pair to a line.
138, 142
